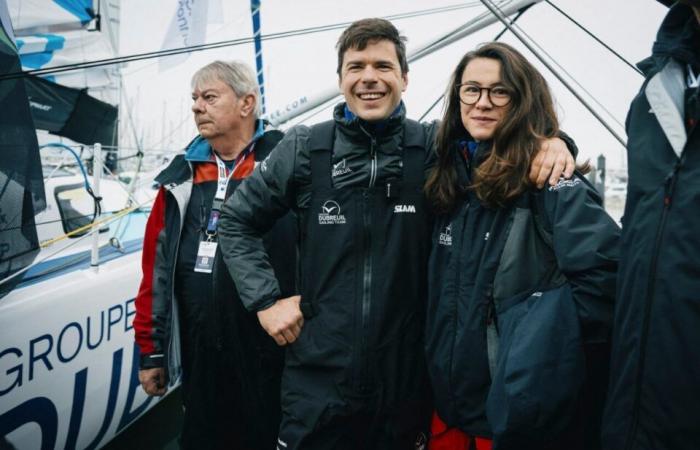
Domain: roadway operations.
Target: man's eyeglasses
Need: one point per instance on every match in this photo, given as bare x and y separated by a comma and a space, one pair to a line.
469, 94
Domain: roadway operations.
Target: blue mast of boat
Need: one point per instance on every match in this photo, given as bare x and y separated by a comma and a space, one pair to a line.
255, 13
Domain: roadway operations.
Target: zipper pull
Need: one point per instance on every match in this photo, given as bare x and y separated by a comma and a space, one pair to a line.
670, 183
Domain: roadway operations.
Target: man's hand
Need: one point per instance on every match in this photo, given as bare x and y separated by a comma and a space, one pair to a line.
153, 381
283, 320
553, 160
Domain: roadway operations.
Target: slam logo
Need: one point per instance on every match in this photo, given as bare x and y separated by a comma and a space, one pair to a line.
330, 214
404, 209
446, 236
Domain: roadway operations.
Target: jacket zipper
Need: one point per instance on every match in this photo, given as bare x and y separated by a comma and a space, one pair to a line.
669, 186
457, 251
367, 257
373, 166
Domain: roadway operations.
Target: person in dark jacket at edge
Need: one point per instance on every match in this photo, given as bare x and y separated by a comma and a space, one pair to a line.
189, 318
354, 375
490, 254
654, 394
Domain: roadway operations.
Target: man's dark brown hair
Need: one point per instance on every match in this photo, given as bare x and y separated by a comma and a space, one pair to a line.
369, 31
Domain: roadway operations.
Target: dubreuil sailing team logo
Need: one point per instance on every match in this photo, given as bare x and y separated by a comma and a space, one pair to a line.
446, 236
330, 214
340, 168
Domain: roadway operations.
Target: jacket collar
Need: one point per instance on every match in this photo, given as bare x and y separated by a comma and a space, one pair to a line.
353, 125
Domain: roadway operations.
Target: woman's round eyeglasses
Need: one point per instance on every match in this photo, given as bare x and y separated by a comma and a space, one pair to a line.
469, 94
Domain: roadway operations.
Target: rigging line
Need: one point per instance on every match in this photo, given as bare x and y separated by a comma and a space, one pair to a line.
67, 218
583, 88
498, 36
622, 58
129, 115
499, 15
214, 45
129, 194
166, 138
45, 244
435, 103
321, 108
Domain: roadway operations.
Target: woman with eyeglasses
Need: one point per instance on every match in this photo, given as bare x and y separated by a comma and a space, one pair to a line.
521, 280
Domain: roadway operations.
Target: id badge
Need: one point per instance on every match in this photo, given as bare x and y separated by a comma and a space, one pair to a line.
205, 257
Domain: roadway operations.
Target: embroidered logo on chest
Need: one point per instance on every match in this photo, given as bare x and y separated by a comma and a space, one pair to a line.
446, 236
330, 214
564, 183
340, 168
404, 209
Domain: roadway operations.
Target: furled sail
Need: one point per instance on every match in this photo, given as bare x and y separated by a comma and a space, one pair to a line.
21, 180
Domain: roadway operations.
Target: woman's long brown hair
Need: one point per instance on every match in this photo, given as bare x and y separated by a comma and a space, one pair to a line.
530, 117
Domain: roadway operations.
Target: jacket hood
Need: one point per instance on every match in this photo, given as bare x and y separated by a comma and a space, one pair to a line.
678, 37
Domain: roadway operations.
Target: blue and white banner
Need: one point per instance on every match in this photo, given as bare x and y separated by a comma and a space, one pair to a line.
46, 16
50, 33
188, 27
44, 50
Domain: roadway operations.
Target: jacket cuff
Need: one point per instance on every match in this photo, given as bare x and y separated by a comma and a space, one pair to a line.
265, 304
152, 361
570, 144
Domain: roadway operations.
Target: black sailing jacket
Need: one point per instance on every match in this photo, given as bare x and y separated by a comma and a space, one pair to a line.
469, 270
364, 243
654, 398
283, 182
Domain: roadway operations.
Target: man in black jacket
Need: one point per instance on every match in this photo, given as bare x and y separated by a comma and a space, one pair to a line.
354, 377
187, 308
654, 396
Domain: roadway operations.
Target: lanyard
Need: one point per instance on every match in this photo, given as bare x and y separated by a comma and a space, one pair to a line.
221, 188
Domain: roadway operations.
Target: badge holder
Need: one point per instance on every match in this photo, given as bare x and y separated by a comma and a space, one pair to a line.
207, 248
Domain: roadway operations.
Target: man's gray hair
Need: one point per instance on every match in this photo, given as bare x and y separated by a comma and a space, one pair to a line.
237, 74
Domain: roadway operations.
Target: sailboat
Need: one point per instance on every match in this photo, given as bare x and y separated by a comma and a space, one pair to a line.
68, 364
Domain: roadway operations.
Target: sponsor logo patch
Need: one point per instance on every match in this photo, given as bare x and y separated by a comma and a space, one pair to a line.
340, 168
330, 214
404, 209
446, 236
421, 441
564, 183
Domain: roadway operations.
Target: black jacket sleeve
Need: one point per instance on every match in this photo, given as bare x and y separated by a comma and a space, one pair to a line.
570, 144
586, 243
249, 213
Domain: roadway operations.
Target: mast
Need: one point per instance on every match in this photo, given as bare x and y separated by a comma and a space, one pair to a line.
255, 13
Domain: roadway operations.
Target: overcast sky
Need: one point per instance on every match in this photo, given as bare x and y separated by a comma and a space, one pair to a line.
305, 65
